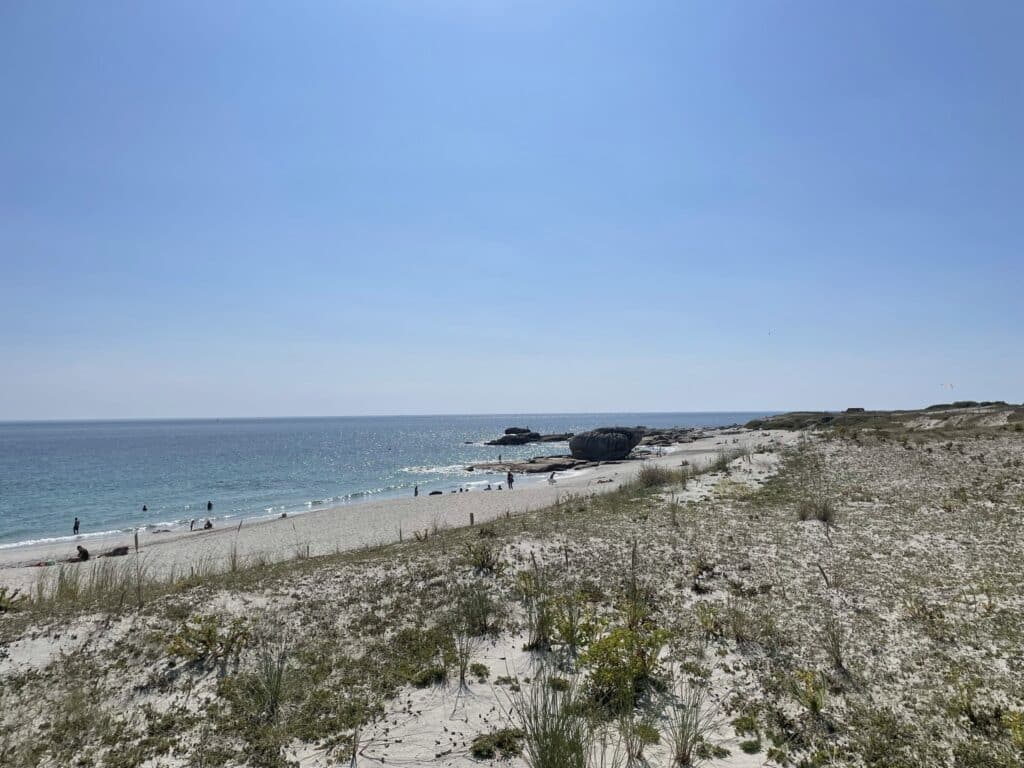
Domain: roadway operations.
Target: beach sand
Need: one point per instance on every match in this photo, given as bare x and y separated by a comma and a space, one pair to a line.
359, 525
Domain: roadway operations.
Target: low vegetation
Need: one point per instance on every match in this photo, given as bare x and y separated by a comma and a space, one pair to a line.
662, 624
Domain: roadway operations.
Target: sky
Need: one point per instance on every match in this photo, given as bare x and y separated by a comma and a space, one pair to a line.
215, 209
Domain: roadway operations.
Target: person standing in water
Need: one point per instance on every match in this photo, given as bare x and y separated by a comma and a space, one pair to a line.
209, 506
509, 479
74, 530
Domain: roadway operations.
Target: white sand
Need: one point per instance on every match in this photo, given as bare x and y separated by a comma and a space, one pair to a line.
364, 524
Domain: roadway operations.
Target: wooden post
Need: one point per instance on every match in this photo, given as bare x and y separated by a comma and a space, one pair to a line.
471, 518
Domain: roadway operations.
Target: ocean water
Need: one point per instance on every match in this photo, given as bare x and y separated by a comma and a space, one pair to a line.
104, 472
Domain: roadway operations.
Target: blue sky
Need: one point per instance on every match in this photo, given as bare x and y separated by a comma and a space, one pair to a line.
241, 208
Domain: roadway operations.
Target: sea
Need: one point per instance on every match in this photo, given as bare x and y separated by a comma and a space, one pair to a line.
104, 472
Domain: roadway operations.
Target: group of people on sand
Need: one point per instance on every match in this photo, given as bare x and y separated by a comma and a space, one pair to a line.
509, 480
83, 553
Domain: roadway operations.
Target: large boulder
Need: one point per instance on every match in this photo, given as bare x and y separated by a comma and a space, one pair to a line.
518, 431
605, 443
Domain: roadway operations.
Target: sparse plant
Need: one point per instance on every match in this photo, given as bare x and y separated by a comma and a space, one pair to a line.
267, 685
832, 639
534, 590
653, 476
817, 508
709, 619
690, 721
465, 645
484, 557
11, 601
476, 609
556, 731
810, 691
573, 628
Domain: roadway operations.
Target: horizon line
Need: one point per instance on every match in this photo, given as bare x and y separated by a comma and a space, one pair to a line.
82, 420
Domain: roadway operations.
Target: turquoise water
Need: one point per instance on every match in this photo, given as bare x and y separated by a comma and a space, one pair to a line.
104, 472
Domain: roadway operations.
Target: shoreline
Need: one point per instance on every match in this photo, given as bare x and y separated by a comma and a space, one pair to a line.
352, 526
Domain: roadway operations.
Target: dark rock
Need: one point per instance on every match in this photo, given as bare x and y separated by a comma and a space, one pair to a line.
518, 430
557, 438
670, 436
855, 410
516, 438
606, 443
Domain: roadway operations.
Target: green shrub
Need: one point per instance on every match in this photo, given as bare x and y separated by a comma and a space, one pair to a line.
484, 557
504, 743
207, 641
559, 683
480, 671
623, 664
751, 746
432, 675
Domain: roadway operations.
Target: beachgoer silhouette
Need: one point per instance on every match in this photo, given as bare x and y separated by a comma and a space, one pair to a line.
209, 506
192, 525
144, 508
75, 529
415, 490
488, 487
499, 458
509, 479
83, 553
207, 526
499, 486
551, 477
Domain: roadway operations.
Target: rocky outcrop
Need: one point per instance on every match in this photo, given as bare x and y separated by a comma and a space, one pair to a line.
516, 438
606, 443
670, 436
522, 436
556, 438
547, 464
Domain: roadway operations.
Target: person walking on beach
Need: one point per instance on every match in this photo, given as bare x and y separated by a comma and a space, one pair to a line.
509, 479
415, 490
74, 531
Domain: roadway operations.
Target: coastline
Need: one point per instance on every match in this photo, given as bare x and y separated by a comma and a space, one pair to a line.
356, 525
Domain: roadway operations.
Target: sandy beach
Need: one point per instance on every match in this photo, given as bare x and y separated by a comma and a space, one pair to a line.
360, 525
